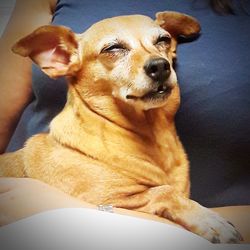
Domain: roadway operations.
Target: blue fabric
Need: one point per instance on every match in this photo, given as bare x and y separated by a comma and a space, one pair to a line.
214, 76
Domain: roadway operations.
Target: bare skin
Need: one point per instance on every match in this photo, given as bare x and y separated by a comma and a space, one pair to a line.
27, 15
27, 191
21, 198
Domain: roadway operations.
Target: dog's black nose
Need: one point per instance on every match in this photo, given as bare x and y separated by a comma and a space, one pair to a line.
157, 69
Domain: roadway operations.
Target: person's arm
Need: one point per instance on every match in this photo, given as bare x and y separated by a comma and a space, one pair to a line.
23, 197
15, 71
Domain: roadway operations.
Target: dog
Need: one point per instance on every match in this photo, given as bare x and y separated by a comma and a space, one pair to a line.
115, 141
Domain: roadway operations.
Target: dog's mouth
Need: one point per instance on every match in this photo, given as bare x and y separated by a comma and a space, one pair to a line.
161, 93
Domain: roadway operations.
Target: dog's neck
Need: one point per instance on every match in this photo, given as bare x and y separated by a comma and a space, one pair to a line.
94, 126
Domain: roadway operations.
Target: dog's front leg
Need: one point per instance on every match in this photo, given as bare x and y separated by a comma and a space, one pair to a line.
12, 164
164, 201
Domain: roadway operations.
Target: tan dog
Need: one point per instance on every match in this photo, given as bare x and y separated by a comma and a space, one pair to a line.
115, 140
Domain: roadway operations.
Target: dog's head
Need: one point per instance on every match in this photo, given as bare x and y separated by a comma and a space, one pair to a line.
126, 57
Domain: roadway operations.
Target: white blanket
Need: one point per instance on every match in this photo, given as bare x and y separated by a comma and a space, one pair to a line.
89, 229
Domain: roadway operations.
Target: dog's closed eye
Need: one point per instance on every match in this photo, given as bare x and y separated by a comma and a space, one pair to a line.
163, 40
114, 47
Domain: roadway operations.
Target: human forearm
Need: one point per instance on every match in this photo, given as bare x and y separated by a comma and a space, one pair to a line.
15, 72
23, 197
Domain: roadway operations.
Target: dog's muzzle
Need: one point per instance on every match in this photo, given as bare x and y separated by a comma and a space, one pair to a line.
159, 70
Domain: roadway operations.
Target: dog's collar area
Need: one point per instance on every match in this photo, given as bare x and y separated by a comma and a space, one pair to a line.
162, 91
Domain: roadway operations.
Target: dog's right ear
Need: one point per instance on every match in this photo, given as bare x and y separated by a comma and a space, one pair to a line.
53, 48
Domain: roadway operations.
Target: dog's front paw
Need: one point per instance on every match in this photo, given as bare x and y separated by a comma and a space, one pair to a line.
216, 229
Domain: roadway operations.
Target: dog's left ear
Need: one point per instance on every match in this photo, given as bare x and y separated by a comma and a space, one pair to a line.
53, 48
183, 28
179, 25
